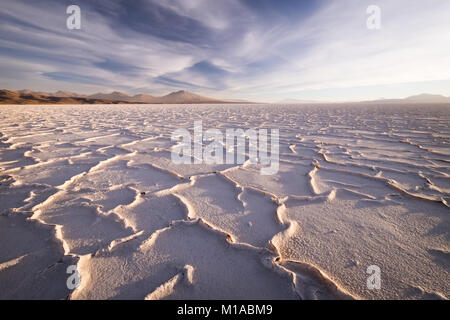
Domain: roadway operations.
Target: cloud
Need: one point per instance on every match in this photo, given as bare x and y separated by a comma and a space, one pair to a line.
238, 48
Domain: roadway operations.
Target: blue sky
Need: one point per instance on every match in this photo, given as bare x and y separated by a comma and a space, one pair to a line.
261, 50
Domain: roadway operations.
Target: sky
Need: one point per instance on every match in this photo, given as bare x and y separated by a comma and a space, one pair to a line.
258, 50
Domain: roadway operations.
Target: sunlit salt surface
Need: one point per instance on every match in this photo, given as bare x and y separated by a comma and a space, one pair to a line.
94, 186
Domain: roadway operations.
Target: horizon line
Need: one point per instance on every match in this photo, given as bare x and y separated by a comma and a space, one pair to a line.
231, 100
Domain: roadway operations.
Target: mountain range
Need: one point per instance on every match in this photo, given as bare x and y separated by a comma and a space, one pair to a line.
28, 97
65, 97
179, 97
420, 98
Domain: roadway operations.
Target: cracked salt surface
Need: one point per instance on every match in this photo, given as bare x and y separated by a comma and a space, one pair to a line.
357, 186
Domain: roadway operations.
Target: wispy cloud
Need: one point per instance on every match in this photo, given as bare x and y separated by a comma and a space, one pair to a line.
262, 50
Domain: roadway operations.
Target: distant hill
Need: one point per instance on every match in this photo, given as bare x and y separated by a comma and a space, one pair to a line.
61, 94
172, 98
25, 97
64, 97
420, 98
428, 98
116, 95
28, 92
143, 98
67, 94
186, 97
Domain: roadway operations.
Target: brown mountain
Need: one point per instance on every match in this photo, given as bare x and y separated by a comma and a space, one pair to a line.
13, 97
60, 93
186, 97
67, 94
65, 97
143, 98
172, 98
116, 95
28, 91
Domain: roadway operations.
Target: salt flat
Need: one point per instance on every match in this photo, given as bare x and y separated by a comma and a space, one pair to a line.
94, 186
